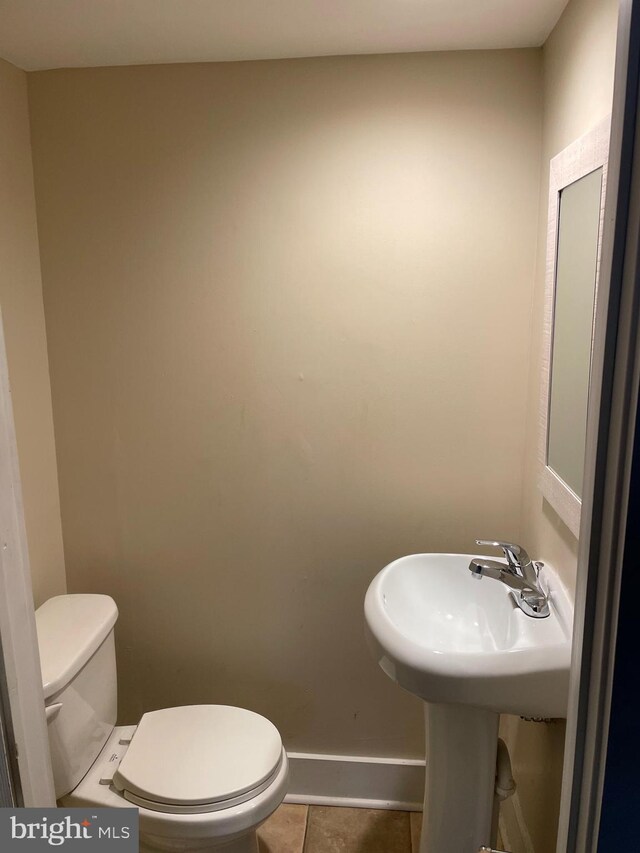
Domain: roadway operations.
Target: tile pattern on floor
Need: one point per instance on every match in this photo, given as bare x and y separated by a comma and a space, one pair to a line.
331, 830
284, 831
320, 829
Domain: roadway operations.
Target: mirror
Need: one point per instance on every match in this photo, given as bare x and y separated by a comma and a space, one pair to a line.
575, 290
576, 206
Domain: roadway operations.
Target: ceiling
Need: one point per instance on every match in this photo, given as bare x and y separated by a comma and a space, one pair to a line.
37, 34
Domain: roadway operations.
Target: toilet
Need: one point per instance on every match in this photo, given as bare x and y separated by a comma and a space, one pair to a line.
203, 777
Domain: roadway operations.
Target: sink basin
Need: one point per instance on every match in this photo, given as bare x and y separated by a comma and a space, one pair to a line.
450, 638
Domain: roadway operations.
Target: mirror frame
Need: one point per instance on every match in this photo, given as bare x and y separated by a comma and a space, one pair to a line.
579, 159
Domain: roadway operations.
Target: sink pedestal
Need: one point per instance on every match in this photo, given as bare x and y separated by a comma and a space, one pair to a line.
462, 745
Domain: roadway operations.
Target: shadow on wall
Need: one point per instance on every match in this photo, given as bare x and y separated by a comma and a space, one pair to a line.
270, 623
533, 817
269, 655
249, 687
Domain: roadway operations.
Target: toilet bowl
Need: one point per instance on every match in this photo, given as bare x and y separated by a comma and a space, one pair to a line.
203, 777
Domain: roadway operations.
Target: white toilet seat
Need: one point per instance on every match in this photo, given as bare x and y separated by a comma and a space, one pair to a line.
199, 758
203, 808
166, 829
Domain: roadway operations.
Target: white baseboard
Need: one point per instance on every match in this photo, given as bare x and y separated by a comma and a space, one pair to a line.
356, 781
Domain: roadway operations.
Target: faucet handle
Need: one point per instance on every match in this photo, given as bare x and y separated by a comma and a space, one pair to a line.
515, 555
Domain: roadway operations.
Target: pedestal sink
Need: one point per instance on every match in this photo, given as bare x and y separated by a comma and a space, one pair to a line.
468, 651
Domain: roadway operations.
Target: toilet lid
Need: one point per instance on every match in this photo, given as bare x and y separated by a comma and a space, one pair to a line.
198, 754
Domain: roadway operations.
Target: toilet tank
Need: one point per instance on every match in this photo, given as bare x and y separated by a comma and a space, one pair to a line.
77, 658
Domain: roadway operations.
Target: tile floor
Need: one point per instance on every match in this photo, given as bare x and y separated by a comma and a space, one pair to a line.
319, 829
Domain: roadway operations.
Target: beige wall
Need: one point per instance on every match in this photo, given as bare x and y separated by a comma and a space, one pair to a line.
578, 67
23, 319
281, 300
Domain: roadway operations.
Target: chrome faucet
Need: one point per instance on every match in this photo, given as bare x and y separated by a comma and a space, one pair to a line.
520, 574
